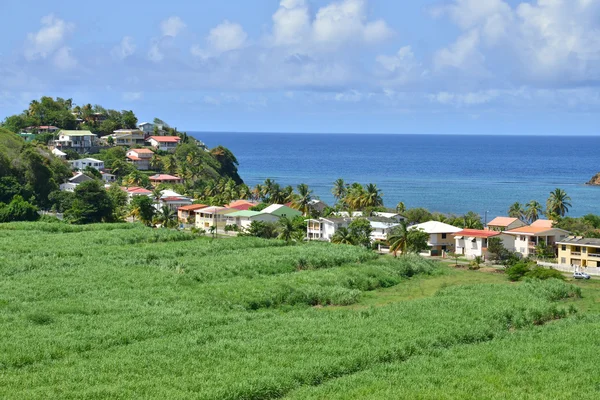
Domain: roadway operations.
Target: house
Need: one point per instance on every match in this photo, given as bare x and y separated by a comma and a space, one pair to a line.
136, 191
59, 154
79, 141
173, 202
579, 251
73, 182
381, 230
108, 178
28, 137
83, 163
345, 214
146, 127
164, 143
127, 137
242, 205
325, 228
501, 224
157, 179
244, 218
42, 129
544, 223
140, 158
212, 216
317, 206
474, 242
526, 238
186, 214
282, 211
389, 215
440, 236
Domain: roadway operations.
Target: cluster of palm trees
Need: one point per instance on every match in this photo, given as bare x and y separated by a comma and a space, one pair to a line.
356, 196
557, 205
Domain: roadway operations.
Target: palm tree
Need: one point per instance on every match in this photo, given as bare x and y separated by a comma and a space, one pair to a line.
167, 217
516, 211
268, 189
276, 194
286, 229
342, 236
257, 192
355, 196
372, 196
302, 201
340, 189
558, 203
398, 239
156, 162
133, 179
170, 164
401, 208
156, 194
533, 210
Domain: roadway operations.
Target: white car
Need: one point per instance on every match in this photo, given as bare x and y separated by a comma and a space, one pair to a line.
580, 275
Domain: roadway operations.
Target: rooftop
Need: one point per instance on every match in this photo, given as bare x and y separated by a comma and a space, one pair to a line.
546, 223
477, 233
210, 210
502, 221
142, 151
76, 133
581, 241
165, 139
136, 190
436, 227
532, 230
243, 213
381, 225
192, 207
164, 177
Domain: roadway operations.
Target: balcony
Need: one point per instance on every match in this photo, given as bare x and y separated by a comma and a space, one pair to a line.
575, 253
597, 255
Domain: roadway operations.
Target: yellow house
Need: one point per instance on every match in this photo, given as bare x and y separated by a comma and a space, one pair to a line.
579, 251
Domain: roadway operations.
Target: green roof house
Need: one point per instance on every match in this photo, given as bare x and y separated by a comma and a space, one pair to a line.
282, 211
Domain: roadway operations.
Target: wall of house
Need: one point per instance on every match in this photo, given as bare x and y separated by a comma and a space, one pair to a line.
584, 256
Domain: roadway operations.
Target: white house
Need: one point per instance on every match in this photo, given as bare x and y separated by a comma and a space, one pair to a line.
380, 230
474, 242
526, 238
440, 237
146, 127
243, 218
325, 228
59, 154
108, 178
73, 182
164, 143
83, 163
389, 215
136, 191
126, 137
213, 216
80, 141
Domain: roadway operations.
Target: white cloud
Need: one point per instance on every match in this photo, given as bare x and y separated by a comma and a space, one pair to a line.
48, 39
172, 26
291, 22
132, 96
464, 99
63, 59
403, 60
346, 21
350, 96
155, 54
125, 49
226, 36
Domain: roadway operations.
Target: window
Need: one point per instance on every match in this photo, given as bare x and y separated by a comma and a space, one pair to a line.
564, 247
583, 249
563, 260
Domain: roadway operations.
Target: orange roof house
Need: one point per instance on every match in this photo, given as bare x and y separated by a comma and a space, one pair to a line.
504, 223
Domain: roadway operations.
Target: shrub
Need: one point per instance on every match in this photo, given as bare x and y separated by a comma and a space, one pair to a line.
518, 270
544, 273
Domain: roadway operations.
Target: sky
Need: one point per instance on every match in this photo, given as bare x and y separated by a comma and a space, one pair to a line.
503, 67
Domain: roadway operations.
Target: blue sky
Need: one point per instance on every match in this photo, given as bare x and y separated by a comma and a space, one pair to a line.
355, 66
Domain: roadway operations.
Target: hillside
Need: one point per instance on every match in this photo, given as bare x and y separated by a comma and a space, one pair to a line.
155, 314
595, 180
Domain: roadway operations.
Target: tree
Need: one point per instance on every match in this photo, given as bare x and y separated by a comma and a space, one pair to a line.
18, 210
92, 172
166, 217
360, 229
342, 236
340, 189
454, 256
261, 229
142, 209
417, 215
228, 163
372, 196
129, 119
543, 251
516, 211
533, 211
91, 204
302, 201
119, 199
39, 177
400, 208
405, 240
558, 203
286, 229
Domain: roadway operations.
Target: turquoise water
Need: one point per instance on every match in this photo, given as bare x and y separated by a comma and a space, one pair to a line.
446, 173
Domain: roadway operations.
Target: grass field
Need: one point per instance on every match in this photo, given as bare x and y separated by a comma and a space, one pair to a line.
123, 311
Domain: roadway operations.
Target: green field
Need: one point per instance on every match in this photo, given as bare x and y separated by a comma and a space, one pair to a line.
122, 311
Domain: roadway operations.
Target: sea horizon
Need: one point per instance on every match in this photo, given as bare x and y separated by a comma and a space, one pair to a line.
214, 132
445, 173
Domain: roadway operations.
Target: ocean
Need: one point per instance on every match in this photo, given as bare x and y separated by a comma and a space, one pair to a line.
445, 173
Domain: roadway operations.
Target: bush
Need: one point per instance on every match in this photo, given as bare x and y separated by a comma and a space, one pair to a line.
544, 273
518, 270
18, 210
